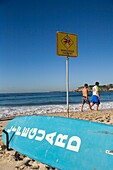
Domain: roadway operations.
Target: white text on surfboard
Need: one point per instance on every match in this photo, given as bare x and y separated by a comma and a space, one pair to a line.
73, 143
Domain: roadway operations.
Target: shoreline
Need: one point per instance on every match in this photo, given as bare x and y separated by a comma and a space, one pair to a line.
6, 112
8, 159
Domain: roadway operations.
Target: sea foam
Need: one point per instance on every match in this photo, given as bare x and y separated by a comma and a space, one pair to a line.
45, 109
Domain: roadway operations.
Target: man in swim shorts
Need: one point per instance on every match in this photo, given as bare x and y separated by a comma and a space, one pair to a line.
95, 97
85, 97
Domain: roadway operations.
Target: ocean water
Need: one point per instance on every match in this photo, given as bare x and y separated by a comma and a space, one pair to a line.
47, 102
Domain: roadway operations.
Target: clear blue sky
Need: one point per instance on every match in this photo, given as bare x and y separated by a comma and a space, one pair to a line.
28, 60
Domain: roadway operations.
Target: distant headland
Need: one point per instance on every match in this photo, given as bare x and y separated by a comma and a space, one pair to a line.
108, 87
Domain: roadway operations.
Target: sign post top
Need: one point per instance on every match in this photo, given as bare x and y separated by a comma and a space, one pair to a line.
67, 44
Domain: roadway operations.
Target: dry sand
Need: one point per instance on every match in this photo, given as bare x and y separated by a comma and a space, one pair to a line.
11, 160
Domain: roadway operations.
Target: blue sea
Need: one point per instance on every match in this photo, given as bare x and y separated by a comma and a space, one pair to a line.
46, 98
45, 102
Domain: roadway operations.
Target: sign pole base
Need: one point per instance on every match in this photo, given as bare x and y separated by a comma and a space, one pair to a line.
68, 113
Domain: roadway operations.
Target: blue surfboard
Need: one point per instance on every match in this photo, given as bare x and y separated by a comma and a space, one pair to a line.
63, 143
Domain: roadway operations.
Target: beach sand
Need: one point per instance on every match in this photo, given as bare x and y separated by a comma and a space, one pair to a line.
11, 160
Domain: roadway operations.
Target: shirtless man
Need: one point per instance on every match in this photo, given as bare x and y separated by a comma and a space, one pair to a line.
85, 97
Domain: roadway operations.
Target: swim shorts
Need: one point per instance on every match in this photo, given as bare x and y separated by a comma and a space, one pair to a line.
95, 100
84, 100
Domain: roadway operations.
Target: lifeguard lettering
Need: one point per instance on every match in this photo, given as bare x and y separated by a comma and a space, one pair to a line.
59, 140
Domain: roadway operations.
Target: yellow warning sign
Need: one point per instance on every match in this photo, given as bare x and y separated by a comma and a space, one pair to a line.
67, 44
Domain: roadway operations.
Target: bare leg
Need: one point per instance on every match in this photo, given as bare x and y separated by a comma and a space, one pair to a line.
97, 107
82, 108
90, 107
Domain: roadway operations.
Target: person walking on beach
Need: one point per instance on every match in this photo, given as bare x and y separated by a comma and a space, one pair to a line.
85, 98
95, 96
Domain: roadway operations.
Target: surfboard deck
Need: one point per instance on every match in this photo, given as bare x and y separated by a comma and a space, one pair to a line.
63, 143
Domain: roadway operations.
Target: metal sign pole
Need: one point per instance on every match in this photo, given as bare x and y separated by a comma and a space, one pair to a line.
67, 84
67, 44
